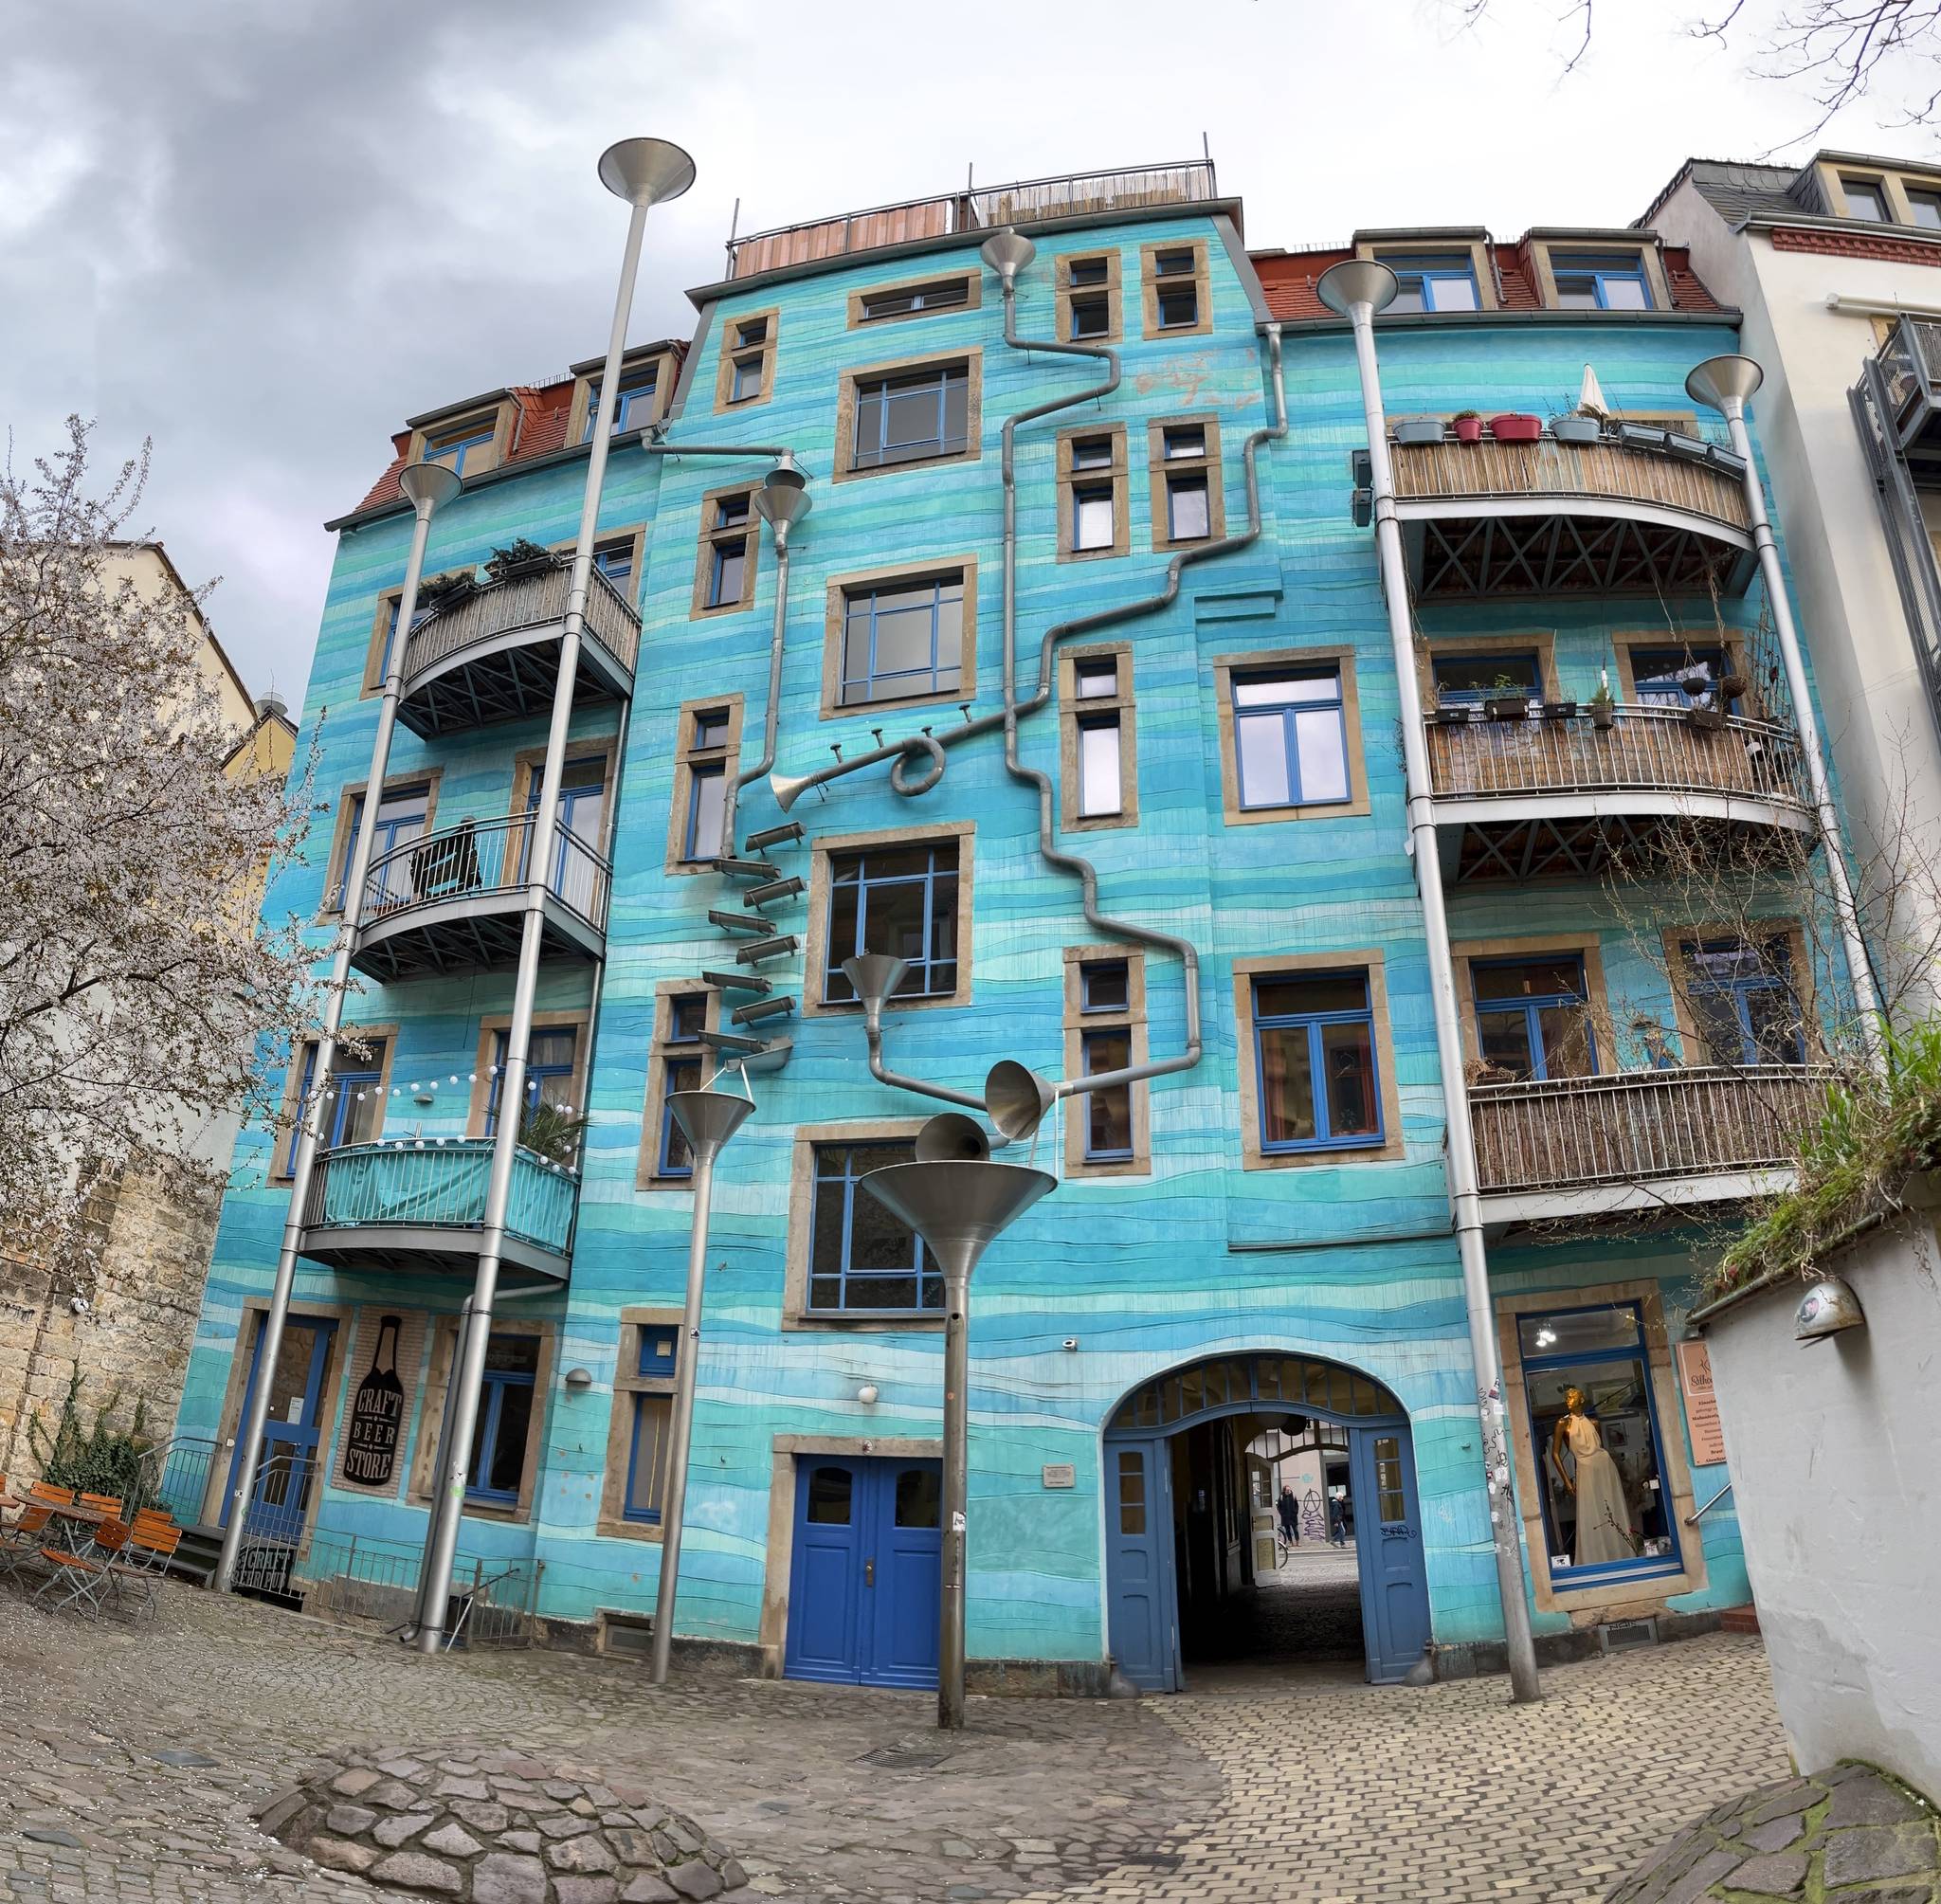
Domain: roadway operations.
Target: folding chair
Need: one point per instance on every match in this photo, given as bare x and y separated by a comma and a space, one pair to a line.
152, 1543
85, 1578
108, 1504
24, 1537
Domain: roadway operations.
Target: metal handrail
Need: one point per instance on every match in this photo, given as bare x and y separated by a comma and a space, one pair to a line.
1644, 749
440, 1183
478, 858
1692, 1519
519, 602
1492, 471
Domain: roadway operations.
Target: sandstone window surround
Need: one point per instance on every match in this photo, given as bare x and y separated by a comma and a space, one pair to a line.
707, 754
1107, 1135
1175, 289
1098, 766
1094, 516
426, 1454
677, 1061
1090, 298
1318, 664
916, 297
1189, 500
639, 1439
746, 375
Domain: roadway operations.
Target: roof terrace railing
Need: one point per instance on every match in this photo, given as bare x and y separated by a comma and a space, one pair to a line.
974, 208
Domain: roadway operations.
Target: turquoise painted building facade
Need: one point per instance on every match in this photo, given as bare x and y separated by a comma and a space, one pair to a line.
1216, 1223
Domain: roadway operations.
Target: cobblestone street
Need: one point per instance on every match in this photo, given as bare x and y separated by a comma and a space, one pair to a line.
1296, 1787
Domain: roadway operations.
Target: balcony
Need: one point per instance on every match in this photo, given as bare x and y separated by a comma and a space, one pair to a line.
1027, 202
1628, 515
1649, 1141
1539, 799
495, 656
417, 1208
1910, 369
455, 900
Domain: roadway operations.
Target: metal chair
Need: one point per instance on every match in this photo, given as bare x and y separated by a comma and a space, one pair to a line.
107, 1504
87, 1579
22, 1538
152, 1539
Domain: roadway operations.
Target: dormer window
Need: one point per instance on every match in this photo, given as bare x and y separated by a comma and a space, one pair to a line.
1925, 207
1440, 283
638, 389
1866, 198
1601, 281
460, 445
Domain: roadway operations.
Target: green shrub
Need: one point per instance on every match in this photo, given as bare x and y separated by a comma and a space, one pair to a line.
101, 1460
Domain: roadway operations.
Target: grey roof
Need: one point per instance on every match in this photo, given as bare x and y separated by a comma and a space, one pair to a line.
1738, 190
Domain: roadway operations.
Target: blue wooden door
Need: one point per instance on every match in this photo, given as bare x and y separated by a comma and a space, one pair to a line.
865, 1572
1388, 1535
286, 1467
1143, 1618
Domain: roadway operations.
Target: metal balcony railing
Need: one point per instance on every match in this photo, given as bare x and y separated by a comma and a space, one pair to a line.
440, 1184
1638, 1127
481, 859
1644, 750
975, 209
1462, 471
524, 602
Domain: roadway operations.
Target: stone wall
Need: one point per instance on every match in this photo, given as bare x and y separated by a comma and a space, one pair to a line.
143, 1294
1832, 1451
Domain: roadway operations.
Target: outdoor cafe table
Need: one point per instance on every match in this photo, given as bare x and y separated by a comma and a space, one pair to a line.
77, 1524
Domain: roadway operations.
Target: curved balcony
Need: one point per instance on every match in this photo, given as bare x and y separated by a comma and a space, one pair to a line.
1555, 519
1638, 1141
416, 1208
495, 656
455, 900
1537, 799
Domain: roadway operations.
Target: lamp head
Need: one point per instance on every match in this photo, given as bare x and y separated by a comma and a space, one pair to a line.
1724, 383
429, 485
1827, 1307
1357, 281
645, 171
1007, 252
1016, 1098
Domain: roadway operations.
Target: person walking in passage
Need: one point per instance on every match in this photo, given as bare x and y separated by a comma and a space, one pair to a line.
1289, 1510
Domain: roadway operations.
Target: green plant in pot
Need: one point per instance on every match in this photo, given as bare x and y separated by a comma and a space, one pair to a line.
552, 1132
520, 557
1604, 710
1509, 698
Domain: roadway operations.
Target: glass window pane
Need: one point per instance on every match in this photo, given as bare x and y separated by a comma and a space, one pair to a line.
1578, 1331
1504, 1040
1179, 306
1926, 207
1095, 679
1389, 1496
1410, 295
1187, 508
1280, 690
1109, 1119
647, 1456
1474, 678
1566, 1033
1322, 743
506, 1464
709, 796
1773, 1022
1576, 291
1625, 294
1329, 991
1287, 1092
1262, 739
1092, 526
904, 627
1348, 1057
911, 417
1864, 199
1104, 984
828, 1496
1090, 270
1099, 769
1188, 440
1173, 264
1132, 1492
1091, 452
1451, 293
919, 1497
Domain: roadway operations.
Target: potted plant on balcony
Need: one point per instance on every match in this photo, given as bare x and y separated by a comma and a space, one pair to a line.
1560, 710
1705, 716
552, 1132
1468, 423
1450, 713
442, 592
1480, 1071
1420, 429
1515, 426
1508, 700
1604, 710
520, 557
1577, 428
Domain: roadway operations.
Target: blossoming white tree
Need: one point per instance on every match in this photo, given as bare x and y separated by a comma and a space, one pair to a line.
139, 1000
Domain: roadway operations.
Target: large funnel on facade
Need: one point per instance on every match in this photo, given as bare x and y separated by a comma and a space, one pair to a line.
708, 1118
1357, 281
782, 500
645, 171
1007, 252
957, 1206
1720, 382
1016, 1099
429, 485
875, 975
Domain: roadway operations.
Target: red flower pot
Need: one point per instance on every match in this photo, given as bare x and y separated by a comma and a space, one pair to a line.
1515, 428
1468, 428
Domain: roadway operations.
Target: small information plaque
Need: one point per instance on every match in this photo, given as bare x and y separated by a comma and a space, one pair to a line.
1701, 1403
1060, 1475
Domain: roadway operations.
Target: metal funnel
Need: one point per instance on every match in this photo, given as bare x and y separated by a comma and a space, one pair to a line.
645, 171
708, 1118
875, 975
789, 788
1016, 1098
429, 485
782, 500
957, 1206
1720, 382
950, 1137
1357, 281
1007, 252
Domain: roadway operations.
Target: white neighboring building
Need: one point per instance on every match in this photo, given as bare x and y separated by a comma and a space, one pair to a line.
1825, 260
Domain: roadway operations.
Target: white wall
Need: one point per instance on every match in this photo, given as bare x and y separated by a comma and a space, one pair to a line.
1833, 1452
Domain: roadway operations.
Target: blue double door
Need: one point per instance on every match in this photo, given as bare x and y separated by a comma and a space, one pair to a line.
865, 1570
286, 1467
1141, 1570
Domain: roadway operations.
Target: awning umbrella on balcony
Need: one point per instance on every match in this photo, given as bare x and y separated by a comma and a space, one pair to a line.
1590, 396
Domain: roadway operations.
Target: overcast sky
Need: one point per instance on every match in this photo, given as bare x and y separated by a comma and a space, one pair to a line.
262, 235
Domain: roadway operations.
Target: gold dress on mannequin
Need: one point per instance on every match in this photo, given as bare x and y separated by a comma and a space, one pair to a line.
1604, 1519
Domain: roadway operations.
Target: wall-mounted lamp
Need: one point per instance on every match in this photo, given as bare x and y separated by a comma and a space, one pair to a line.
868, 1394
579, 1378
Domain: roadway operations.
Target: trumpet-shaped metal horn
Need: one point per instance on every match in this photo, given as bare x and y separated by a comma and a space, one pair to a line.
789, 788
951, 1137
1357, 281
429, 485
645, 171
1007, 252
1720, 382
1016, 1098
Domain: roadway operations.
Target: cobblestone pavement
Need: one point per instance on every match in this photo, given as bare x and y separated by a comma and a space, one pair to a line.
1270, 1787
1805, 1839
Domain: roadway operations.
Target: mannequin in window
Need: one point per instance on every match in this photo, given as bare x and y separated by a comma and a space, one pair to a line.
1603, 1521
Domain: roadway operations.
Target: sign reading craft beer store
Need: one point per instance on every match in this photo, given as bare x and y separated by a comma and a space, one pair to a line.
1701, 1403
373, 1428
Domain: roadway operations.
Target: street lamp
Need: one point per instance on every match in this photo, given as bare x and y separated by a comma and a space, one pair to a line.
957, 1201
707, 1121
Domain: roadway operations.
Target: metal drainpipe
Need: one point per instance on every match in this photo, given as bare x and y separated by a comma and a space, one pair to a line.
436, 486
873, 1036
1461, 1157
1860, 966
469, 1363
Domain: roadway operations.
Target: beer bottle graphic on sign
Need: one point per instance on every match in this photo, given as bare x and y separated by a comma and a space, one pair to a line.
371, 1443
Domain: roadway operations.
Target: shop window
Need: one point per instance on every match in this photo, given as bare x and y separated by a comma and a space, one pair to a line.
1432, 284
1594, 1432
1315, 1057
1532, 1018
1290, 737
902, 640
1468, 680
1743, 1000
900, 899
497, 1469
861, 1259
1595, 281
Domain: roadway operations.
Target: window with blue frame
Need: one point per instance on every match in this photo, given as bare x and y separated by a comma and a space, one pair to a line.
912, 415
550, 1055
897, 900
352, 1107
860, 1257
682, 1070
728, 546
1314, 1055
906, 301
461, 445
1468, 680
498, 1466
649, 1388
1601, 281
1108, 1113
1290, 737
400, 819
1681, 677
1596, 1445
903, 639
1432, 283
707, 811
1744, 1000
637, 391
581, 817
419, 617
614, 560
1532, 1017
1105, 985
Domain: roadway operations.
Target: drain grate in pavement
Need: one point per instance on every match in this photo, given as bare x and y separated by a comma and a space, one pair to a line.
178, 1755
907, 1756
